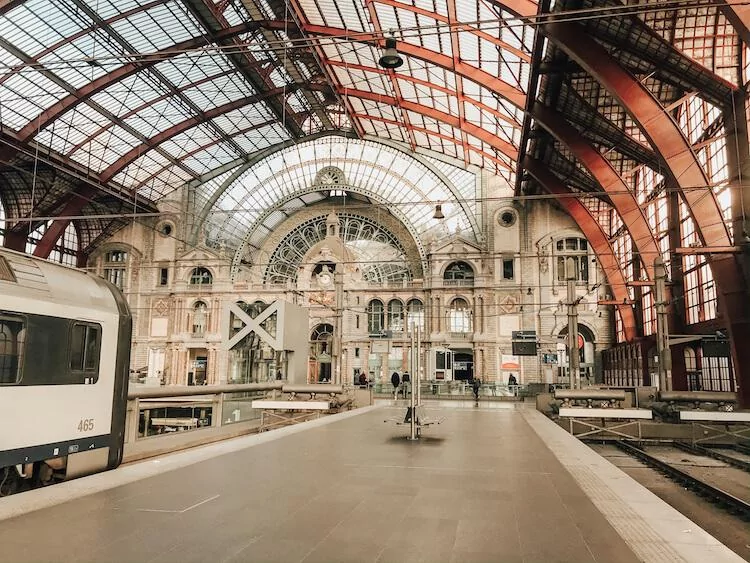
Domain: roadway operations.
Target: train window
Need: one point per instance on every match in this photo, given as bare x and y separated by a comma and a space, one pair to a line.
12, 340
85, 340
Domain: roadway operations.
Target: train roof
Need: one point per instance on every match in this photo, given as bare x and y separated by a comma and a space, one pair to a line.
28, 277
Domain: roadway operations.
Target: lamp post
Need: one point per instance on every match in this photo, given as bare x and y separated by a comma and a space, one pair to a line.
338, 285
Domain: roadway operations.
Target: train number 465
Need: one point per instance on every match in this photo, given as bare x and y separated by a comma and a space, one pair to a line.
85, 424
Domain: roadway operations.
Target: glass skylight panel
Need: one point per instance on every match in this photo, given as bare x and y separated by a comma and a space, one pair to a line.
127, 95
210, 158
29, 92
159, 116
189, 141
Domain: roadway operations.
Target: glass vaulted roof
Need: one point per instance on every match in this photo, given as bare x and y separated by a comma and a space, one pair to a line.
248, 203
148, 95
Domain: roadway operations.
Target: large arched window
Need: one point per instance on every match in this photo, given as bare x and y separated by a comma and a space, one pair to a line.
201, 276
375, 317
577, 250
459, 316
395, 315
415, 314
459, 273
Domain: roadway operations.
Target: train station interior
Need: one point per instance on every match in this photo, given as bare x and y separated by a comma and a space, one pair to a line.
493, 200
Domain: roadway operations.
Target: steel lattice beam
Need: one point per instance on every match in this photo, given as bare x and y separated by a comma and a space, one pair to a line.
75, 204
684, 170
506, 91
56, 110
616, 188
596, 236
452, 120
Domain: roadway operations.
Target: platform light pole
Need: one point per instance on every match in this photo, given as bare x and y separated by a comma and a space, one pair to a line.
662, 327
573, 359
338, 285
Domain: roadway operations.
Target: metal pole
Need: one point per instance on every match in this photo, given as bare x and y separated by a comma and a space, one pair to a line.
573, 359
338, 284
413, 418
418, 368
662, 327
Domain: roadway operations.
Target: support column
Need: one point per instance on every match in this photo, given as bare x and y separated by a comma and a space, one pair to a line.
662, 328
573, 356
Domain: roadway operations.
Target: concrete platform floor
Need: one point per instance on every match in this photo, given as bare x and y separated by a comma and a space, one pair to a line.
482, 486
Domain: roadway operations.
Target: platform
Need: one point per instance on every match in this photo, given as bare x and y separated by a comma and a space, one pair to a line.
498, 482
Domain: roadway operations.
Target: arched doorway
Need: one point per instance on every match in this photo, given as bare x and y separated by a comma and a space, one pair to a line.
321, 347
586, 356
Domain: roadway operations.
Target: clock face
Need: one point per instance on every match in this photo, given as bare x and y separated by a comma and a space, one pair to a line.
324, 278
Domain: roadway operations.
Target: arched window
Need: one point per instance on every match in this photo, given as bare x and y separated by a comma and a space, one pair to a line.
459, 273
201, 276
395, 315
459, 316
115, 267
577, 250
375, 317
200, 318
415, 314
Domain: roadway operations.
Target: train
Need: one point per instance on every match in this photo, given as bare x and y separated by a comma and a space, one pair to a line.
65, 340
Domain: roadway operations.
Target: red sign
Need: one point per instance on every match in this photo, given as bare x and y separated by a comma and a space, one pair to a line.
580, 341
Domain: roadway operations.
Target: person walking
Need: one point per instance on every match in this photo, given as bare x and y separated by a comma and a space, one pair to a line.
395, 381
475, 387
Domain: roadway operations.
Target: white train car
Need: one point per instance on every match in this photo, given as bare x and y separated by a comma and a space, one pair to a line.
64, 359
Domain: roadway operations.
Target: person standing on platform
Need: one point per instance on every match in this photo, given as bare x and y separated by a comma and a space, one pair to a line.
396, 381
475, 387
512, 384
405, 383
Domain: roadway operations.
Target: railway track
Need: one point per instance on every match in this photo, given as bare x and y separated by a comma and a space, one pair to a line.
731, 502
709, 452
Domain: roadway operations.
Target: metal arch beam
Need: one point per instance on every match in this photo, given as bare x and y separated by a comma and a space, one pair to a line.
393, 210
597, 238
685, 171
481, 77
453, 140
122, 162
75, 204
454, 121
658, 126
27, 132
618, 191
414, 80
82, 33
455, 25
244, 164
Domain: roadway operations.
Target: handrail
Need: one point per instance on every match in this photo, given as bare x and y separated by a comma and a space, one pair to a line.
191, 390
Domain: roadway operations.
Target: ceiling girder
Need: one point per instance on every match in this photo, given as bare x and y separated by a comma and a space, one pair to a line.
684, 170
596, 236
616, 188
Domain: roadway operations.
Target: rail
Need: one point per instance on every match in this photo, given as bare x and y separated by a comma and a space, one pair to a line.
164, 410
730, 501
708, 452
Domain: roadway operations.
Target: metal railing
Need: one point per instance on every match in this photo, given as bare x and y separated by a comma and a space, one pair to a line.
462, 389
178, 408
